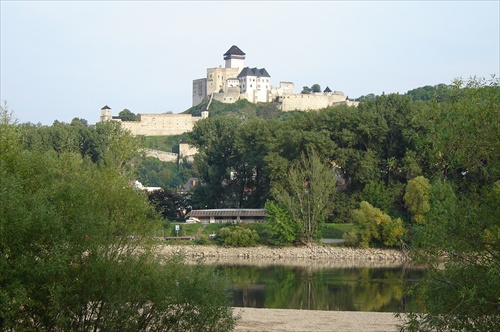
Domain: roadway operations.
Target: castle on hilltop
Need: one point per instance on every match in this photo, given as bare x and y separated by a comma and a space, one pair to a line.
234, 82
227, 85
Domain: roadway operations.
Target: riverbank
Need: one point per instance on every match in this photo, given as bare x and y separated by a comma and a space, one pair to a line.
285, 320
318, 255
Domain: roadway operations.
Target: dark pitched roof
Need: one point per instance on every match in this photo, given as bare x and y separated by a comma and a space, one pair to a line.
247, 71
327, 90
227, 213
106, 107
234, 50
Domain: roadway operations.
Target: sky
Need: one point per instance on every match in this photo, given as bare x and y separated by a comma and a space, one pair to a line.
61, 60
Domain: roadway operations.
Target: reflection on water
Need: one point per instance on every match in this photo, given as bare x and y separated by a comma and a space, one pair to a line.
301, 287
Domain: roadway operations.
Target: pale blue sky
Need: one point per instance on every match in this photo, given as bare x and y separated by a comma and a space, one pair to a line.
65, 59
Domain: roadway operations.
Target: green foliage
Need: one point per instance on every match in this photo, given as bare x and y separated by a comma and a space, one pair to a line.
429, 93
74, 255
336, 231
237, 236
284, 230
306, 90
315, 88
241, 109
460, 239
376, 227
127, 115
169, 204
307, 194
165, 143
417, 198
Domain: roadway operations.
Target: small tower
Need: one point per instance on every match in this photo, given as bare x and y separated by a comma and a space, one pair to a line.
234, 57
105, 113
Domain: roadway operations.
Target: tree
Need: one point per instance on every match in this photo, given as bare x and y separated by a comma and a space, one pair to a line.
127, 115
306, 90
459, 241
376, 227
283, 228
168, 203
74, 251
216, 159
315, 88
307, 194
417, 198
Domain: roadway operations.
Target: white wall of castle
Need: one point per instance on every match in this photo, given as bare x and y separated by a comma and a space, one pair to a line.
313, 101
161, 124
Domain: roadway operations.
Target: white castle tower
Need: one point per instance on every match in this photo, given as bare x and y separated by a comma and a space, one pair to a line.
105, 113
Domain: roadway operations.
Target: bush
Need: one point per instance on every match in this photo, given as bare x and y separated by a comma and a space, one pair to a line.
237, 236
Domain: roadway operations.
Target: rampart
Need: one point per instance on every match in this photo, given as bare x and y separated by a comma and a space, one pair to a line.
162, 155
161, 124
314, 101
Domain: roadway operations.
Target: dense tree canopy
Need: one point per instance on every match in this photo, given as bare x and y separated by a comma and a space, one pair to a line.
73, 234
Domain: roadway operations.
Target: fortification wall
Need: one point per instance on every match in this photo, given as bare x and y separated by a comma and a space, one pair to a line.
161, 124
306, 102
162, 155
231, 96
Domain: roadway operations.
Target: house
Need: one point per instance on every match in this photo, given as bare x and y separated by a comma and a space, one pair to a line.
234, 216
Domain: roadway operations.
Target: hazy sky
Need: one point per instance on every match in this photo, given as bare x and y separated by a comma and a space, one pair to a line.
67, 59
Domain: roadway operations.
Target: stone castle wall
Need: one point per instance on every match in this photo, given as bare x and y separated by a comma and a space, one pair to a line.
162, 155
161, 124
313, 101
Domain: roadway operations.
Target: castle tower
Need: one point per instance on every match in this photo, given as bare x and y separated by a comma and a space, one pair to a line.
234, 57
105, 113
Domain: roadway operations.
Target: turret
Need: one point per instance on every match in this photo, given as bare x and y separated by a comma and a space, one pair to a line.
234, 57
105, 113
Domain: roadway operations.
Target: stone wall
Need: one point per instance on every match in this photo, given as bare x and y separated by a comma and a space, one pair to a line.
161, 124
162, 155
313, 101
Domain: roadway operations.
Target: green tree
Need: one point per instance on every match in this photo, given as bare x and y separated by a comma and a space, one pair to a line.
307, 193
460, 239
417, 198
127, 115
237, 236
376, 227
74, 251
306, 90
315, 88
284, 230
216, 161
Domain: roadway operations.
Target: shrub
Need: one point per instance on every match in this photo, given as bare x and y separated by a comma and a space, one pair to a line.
237, 236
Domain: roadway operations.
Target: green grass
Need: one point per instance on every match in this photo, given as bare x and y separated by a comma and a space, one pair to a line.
184, 229
164, 143
335, 231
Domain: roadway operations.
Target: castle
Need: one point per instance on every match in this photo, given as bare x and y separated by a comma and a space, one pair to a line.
235, 81
227, 85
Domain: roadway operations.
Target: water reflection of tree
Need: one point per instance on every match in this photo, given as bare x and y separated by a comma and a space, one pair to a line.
355, 289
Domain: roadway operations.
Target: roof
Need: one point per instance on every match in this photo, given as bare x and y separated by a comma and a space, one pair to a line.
327, 90
106, 107
247, 71
227, 213
234, 50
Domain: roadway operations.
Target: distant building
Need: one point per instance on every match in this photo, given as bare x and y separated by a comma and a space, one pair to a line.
223, 216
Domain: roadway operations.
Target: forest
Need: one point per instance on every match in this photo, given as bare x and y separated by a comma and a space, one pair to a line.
417, 171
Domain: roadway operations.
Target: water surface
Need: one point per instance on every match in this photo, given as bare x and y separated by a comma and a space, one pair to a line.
378, 289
